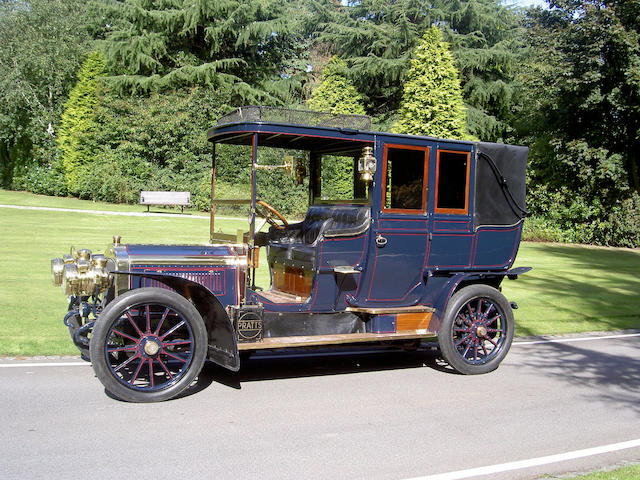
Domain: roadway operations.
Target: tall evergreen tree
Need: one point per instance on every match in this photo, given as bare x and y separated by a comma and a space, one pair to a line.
432, 100
376, 38
78, 119
336, 93
242, 46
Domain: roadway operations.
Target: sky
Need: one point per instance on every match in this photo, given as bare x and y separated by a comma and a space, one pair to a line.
526, 3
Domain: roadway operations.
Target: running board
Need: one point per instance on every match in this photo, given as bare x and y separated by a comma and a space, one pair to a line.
390, 310
339, 339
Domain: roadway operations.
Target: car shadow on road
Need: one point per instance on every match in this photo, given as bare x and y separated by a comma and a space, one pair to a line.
266, 366
611, 378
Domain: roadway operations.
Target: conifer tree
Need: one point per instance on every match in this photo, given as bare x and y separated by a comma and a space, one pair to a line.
376, 39
336, 93
432, 100
78, 119
241, 46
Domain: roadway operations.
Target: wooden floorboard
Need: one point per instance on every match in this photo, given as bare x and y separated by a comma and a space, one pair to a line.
317, 340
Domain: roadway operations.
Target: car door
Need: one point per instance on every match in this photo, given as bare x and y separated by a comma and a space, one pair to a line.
399, 241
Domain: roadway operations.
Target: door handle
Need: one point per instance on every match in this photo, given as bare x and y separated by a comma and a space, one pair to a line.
381, 241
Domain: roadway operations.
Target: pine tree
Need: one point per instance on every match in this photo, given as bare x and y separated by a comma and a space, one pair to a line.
376, 39
432, 100
336, 93
78, 119
241, 46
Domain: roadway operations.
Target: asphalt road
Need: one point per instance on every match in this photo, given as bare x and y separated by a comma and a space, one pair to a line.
383, 415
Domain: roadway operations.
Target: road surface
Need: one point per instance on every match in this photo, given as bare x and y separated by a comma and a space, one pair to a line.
353, 415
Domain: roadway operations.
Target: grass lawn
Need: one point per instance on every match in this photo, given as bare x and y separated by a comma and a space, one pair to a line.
571, 289
630, 472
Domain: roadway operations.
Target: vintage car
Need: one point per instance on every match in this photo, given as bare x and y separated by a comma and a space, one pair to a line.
415, 248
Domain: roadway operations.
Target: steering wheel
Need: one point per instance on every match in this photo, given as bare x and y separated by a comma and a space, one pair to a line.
269, 213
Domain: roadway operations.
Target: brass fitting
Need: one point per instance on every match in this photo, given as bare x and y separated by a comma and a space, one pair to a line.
80, 272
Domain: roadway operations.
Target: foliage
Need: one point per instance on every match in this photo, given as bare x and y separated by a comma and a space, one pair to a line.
432, 100
377, 38
78, 119
583, 121
43, 42
241, 46
336, 94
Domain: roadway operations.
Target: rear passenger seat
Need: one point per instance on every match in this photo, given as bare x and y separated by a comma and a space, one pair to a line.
296, 244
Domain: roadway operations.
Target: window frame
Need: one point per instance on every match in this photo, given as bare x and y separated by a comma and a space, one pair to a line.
454, 211
425, 178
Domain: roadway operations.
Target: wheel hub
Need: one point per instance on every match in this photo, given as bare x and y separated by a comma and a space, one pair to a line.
481, 331
151, 347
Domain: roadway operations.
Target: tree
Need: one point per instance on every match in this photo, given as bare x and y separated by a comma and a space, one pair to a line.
582, 118
336, 93
376, 39
78, 119
43, 42
240, 46
432, 100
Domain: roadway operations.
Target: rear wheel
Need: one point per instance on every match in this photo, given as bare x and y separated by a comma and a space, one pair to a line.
148, 345
477, 330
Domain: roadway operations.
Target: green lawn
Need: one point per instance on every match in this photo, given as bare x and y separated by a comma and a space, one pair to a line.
571, 289
630, 472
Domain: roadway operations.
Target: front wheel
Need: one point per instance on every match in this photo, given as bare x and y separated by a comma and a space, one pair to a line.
477, 330
148, 345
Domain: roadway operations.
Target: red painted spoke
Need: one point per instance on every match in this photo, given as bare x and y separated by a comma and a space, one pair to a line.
491, 307
465, 330
462, 340
174, 356
179, 342
148, 332
165, 368
151, 371
135, 375
492, 342
173, 329
470, 309
123, 349
475, 355
494, 330
126, 362
484, 349
479, 306
464, 355
164, 316
134, 324
118, 332
493, 320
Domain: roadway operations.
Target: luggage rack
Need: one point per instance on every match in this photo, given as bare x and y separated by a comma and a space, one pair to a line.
288, 116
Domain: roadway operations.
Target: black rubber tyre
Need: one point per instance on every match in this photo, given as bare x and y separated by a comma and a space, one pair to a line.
477, 330
148, 345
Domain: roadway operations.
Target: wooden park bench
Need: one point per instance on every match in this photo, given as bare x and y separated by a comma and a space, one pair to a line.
165, 198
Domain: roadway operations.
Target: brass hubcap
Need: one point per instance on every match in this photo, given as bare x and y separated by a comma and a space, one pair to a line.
151, 347
481, 331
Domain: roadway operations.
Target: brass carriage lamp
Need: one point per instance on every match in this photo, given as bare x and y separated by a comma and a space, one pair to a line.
367, 164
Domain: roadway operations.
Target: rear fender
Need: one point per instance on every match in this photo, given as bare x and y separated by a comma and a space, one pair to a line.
222, 340
460, 280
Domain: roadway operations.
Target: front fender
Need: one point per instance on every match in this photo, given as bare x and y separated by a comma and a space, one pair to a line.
222, 340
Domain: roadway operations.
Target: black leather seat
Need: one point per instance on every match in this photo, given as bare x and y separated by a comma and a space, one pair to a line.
296, 244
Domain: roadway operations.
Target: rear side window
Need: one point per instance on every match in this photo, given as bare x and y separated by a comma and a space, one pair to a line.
404, 188
452, 182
